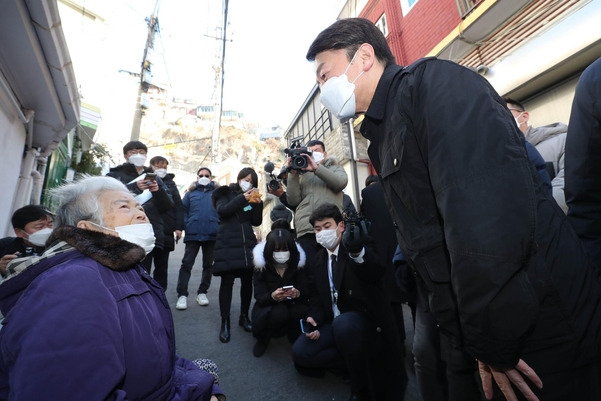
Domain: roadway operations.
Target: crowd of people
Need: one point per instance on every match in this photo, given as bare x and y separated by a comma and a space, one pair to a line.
488, 228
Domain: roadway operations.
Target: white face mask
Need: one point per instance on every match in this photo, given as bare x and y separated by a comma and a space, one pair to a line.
137, 159
39, 237
517, 119
140, 234
245, 185
338, 94
204, 181
327, 238
161, 172
281, 257
317, 157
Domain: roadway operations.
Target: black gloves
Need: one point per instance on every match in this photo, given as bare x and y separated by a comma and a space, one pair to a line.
356, 234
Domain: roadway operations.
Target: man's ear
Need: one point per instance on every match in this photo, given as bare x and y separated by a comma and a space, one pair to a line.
19, 232
367, 56
527, 116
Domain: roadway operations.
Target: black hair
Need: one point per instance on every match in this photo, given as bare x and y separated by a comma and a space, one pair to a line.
326, 211
158, 159
27, 214
316, 142
349, 34
280, 239
519, 105
204, 168
253, 176
371, 179
131, 145
281, 223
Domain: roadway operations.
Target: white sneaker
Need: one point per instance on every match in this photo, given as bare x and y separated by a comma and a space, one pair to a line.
202, 299
182, 303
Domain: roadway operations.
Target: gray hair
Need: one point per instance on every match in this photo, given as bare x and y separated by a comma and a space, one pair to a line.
79, 199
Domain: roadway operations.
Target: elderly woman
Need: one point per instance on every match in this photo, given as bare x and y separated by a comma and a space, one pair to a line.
84, 321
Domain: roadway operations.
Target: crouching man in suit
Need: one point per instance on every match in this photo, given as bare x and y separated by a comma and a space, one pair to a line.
351, 326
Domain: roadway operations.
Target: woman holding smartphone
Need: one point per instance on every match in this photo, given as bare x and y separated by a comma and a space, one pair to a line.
240, 207
280, 289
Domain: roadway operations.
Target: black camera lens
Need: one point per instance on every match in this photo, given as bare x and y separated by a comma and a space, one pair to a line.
299, 162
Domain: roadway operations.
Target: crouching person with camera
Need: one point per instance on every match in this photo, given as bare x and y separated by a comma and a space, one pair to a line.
313, 182
349, 326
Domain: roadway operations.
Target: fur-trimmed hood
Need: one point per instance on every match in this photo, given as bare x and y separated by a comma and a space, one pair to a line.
259, 257
108, 250
224, 190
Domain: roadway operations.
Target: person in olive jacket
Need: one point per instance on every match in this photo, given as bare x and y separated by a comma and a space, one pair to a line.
240, 207
281, 296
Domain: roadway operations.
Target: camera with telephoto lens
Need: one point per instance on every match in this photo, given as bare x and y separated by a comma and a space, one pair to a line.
298, 156
273, 183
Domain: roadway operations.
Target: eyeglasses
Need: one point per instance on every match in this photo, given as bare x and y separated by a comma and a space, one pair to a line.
201, 175
518, 110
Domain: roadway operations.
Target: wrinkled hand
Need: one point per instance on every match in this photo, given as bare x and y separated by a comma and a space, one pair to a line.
505, 377
356, 234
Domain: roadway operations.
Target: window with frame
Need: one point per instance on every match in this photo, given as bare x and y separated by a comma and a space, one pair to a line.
383, 25
407, 5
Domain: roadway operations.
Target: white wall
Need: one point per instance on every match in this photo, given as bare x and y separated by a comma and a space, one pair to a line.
12, 140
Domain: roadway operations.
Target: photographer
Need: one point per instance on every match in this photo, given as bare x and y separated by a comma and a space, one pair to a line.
26, 221
320, 182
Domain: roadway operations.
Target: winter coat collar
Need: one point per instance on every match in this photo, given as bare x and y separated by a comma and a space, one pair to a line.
259, 257
108, 250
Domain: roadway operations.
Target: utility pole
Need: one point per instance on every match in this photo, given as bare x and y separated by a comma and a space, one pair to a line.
145, 74
218, 90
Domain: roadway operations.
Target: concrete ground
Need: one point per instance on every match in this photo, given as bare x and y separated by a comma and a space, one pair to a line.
242, 376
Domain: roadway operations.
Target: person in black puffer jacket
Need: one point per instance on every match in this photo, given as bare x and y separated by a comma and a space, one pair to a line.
240, 207
155, 201
173, 221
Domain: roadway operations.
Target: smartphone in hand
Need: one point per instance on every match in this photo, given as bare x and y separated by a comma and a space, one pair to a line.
287, 287
306, 327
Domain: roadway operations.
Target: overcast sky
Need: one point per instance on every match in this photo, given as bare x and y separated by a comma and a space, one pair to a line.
266, 74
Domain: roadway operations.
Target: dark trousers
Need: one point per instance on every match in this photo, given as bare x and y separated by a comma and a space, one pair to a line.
282, 319
226, 289
442, 369
341, 346
161, 264
185, 271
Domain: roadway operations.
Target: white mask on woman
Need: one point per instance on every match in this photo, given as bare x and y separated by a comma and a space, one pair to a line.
327, 238
245, 185
140, 234
281, 257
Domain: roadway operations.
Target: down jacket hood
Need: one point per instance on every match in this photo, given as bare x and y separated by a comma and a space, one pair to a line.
259, 257
544, 132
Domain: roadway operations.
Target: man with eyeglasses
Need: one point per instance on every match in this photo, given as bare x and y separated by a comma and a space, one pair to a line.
201, 223
149, 189
550, 141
